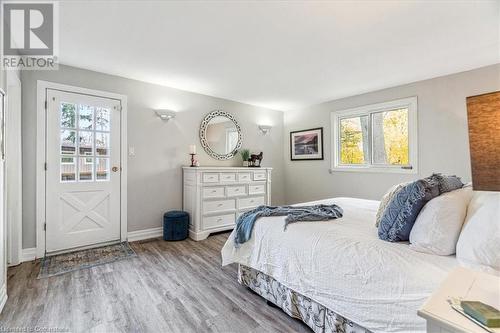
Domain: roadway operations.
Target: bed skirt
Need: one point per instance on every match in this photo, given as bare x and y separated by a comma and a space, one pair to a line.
316, 316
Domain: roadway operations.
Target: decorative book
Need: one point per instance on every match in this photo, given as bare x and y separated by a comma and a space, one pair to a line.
456, 304
483, 313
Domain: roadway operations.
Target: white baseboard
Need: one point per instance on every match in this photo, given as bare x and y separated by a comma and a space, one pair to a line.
144, 234
28, 254
3, 296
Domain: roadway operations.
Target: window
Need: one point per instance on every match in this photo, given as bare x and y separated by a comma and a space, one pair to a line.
376, 138
85, 142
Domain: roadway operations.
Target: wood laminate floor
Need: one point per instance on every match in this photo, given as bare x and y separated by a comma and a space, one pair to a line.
169, 287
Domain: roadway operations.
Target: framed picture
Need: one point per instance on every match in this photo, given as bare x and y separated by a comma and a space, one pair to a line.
306, 144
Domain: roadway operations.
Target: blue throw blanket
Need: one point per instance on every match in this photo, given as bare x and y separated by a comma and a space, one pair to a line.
246, 221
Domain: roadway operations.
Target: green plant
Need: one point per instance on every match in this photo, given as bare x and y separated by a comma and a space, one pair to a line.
245, 154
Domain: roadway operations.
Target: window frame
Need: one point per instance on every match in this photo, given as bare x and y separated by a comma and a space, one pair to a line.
411, 103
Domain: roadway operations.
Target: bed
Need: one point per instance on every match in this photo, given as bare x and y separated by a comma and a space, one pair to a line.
338, 276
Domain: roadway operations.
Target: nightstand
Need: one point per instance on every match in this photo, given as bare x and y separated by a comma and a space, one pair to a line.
465, 284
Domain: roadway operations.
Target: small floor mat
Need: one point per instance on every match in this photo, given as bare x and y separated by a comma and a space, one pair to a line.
69, 262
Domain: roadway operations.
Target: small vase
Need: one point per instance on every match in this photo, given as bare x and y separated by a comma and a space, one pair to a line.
245, 163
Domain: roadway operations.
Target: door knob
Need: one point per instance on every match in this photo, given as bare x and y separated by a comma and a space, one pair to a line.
114, 169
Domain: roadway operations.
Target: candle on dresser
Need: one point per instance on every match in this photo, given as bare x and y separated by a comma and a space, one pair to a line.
192, 149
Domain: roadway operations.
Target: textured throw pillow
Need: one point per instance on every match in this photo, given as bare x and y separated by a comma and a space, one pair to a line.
479, 241
386, 199
438, 225
446, 183
401, 212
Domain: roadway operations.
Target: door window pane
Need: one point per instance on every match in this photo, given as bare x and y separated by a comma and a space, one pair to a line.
354, 140
102, 169
85, 134
68, 115
390, 137
102, 143
86, 117
102, 119
86, 169
68, 169
68, 142
86, 143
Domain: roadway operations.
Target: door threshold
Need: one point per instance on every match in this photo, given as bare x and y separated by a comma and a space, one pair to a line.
80, 248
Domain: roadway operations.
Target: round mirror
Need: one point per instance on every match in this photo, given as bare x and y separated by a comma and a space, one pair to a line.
220, 135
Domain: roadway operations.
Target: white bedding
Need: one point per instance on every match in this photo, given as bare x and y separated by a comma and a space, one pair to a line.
342, 265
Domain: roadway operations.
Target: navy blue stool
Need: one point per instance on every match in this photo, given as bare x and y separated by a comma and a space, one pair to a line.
175, 225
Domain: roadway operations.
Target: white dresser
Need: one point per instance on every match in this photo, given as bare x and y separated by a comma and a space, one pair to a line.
214, 197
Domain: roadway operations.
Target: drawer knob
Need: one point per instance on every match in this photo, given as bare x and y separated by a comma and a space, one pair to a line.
214, 191
219, 219
219, 205
237, 189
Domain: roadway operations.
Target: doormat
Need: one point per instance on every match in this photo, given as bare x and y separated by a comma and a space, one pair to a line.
69, 262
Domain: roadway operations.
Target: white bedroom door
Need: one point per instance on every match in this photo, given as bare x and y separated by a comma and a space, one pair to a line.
82, 171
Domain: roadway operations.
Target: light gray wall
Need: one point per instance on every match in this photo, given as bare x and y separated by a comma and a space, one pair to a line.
161, 148
442, 135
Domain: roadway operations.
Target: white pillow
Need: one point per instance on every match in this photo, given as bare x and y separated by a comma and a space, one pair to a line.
438, 224
479, 242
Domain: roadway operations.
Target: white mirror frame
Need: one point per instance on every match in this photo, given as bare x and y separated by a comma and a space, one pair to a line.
203, 135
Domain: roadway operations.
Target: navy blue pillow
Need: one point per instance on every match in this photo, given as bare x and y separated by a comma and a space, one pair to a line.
402, 211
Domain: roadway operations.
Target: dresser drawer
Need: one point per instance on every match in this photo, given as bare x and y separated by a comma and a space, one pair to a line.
219, 205
232, 191
227, 177
211, 177
256, 189
244, 177
213, 192
259, 176
210, 222
245, 203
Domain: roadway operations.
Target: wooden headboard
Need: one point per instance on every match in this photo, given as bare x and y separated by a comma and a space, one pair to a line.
483, 114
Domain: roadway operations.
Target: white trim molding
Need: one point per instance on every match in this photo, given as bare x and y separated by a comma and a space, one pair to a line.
410, 104
42, 87
13, 169
3, 296
28, 254
145, 234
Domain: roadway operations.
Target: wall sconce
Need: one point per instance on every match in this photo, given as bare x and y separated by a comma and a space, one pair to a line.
264, 129
165, 115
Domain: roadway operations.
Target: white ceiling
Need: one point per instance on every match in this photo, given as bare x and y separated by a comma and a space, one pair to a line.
282, 54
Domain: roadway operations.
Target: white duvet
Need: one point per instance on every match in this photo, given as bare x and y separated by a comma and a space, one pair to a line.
343, 265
